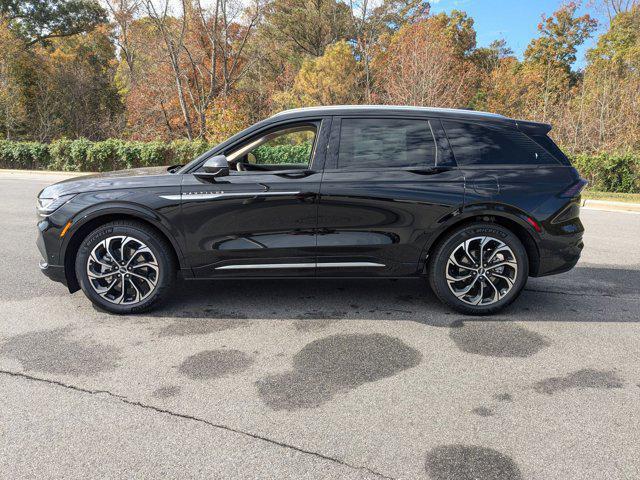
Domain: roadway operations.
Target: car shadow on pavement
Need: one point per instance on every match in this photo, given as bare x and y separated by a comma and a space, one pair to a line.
324, 299
584, 294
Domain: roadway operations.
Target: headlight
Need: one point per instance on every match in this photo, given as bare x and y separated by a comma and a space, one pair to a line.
46, 206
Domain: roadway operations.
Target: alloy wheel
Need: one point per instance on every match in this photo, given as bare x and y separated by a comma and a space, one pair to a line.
481, 270
122, 270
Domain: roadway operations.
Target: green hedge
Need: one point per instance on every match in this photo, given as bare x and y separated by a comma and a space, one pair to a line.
606, 172
85, 156
617, 172
277, 154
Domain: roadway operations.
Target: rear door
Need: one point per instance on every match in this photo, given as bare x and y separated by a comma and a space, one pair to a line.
387, 184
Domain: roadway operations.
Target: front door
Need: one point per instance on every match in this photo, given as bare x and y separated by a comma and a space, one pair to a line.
387, 185
260, 220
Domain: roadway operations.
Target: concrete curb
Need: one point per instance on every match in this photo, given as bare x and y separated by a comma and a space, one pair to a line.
43, 172
611, 206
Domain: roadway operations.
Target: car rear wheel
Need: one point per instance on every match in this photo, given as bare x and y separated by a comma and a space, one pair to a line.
125, 267
479, 269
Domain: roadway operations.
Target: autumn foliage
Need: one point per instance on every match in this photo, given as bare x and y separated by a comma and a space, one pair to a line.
152, 70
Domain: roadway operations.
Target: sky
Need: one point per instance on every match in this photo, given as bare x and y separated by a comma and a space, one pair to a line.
514, 20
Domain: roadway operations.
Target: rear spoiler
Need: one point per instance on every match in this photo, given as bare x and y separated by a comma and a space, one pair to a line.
534, 128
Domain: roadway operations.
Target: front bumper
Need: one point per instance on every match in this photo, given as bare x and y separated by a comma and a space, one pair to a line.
54, 272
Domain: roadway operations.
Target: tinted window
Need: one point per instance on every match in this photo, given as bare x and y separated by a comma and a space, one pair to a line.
550, 147
475, 144
375, 142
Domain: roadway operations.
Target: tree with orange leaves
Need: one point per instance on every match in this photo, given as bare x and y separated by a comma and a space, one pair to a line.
424, 64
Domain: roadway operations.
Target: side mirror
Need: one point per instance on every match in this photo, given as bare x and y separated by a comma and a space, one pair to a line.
217, 166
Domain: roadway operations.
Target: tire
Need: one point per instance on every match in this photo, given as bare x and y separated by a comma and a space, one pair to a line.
501, 281
148, 272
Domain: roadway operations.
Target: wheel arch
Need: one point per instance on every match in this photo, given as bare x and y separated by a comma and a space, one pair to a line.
90, 221
512, 221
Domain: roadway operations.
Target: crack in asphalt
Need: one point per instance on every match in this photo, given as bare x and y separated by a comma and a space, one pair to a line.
184, 416
61, 384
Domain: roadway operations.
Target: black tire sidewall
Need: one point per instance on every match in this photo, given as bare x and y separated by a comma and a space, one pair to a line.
157, 247
437, 278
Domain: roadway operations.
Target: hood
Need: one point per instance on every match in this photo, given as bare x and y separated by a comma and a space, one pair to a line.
132, 178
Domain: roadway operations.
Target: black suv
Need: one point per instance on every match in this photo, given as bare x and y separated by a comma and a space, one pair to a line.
474, 202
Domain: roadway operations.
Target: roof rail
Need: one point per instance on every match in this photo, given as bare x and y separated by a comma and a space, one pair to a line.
390, 107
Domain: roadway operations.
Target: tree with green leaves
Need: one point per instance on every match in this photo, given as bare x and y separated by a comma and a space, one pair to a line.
41, 20
458, 28
307, 27
489, 58
560, 36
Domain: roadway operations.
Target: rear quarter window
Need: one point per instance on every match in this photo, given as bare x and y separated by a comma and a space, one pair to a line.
548, 144
475, 144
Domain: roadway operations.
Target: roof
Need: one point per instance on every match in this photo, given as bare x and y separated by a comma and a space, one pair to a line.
391, 109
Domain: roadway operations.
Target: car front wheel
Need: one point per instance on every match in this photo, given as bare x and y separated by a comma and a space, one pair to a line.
479, 269
124, 267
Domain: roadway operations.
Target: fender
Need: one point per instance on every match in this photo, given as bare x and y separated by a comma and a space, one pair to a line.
504, 210
475, 212
173, 234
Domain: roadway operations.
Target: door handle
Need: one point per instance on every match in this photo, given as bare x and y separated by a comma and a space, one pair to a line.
428, 170
294, 173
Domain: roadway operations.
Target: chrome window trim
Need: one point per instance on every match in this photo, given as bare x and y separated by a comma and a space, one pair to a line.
213, 196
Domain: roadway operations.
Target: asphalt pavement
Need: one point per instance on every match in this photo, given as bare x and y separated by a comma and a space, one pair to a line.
321, 379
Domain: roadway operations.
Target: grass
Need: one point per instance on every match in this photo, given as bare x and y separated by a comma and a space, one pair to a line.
615, 197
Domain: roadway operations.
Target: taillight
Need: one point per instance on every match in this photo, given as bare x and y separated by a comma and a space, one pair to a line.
575, 189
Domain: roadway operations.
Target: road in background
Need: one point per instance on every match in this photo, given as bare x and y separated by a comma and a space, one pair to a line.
321, 379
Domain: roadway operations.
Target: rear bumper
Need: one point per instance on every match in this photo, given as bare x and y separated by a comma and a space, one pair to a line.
561, 260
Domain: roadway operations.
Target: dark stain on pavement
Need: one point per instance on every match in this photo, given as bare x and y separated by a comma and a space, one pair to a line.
581, 379
483, 411
209, 312
442, 322
467, 462
334, 364
210, 364
312, 325
317, 320
200, 326
497, 339
167, 391
56, 351
503, 397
